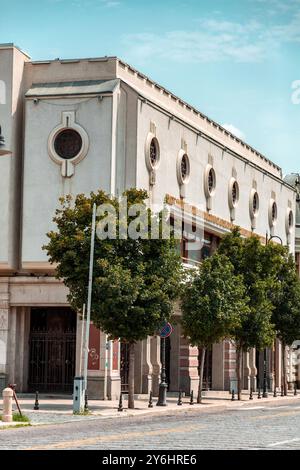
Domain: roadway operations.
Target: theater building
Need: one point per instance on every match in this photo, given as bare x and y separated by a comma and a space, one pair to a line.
74, 126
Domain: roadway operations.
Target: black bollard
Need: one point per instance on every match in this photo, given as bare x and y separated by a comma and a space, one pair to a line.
275, 392
120, 403
36, 403
179, 403
86, 406
251, 394
150, 401
232, 395
282, 392
295, 389
259, 394
192, 398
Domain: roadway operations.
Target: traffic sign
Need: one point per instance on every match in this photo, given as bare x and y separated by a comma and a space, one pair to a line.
166, 330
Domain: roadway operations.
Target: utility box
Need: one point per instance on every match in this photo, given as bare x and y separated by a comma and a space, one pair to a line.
78, 395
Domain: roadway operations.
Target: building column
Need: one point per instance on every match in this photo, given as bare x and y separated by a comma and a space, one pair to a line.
174, 384
156, 364
146, 366
253, 369
278, 353
230, 379
189, 377
246, 382
218, 366
4, 331
113, 372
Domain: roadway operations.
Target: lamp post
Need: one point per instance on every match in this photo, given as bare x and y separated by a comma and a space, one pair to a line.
265, 393
162, 394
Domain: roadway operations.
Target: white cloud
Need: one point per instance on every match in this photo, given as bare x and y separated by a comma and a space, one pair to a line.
234, 130
216, 40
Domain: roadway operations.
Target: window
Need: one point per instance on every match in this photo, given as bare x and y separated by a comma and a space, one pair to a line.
211, 181
184, 167
235, 193
291, 219
68, 144
154, 152
255, 203
274, 212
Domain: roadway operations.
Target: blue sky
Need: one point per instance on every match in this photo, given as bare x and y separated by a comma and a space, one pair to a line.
234, 60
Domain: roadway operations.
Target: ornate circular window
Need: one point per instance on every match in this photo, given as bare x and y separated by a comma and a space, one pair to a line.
255, 203
274, 212
185, 167
154, 152
234, 193
211, 183
289, 221
68, 144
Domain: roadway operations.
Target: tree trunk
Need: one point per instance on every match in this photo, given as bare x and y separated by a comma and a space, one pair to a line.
238, 371
131, 377
284, 381
201, 370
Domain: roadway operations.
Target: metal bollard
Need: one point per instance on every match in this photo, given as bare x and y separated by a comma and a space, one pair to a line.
251, 394
295, 389
36, 403
282, 392
150, 405
275, 392
7, 415
120, 403
192, 398
259, 394
232, 395
179, 403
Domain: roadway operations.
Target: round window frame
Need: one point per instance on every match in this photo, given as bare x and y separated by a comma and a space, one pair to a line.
180, 178
150, 138
290, 227
254, 213
272, 220
84, 147
57, 137
233, 204
209, 193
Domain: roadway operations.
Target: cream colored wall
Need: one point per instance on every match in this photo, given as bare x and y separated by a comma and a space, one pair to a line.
11, 73
43, 182
171, 136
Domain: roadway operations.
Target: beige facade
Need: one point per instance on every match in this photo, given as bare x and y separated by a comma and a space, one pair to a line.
117, 112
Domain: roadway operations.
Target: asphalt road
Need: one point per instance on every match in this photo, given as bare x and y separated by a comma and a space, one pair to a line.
254, 426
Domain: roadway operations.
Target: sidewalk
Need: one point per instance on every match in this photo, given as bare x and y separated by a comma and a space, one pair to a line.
58, 409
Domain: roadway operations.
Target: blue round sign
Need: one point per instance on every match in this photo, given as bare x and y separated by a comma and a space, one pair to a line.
166, 330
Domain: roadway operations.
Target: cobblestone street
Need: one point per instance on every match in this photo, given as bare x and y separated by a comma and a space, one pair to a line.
273, 425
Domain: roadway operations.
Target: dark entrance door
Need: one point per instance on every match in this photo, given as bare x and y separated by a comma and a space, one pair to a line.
52, 349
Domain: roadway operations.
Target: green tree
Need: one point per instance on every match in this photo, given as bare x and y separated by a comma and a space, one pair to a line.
213, 302
286, 299
135, 280
250, 260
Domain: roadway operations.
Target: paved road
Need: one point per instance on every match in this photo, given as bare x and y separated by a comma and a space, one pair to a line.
253, 426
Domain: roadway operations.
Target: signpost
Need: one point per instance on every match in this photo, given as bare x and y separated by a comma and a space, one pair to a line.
164, 333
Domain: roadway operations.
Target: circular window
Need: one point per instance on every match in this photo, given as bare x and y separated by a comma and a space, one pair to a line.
255, 203
274, 212
68, 144
211, 181
154, 152
291, 219
184, 167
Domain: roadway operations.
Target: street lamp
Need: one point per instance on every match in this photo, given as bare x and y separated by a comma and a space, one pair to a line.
162, 394
265, 393
3, 150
